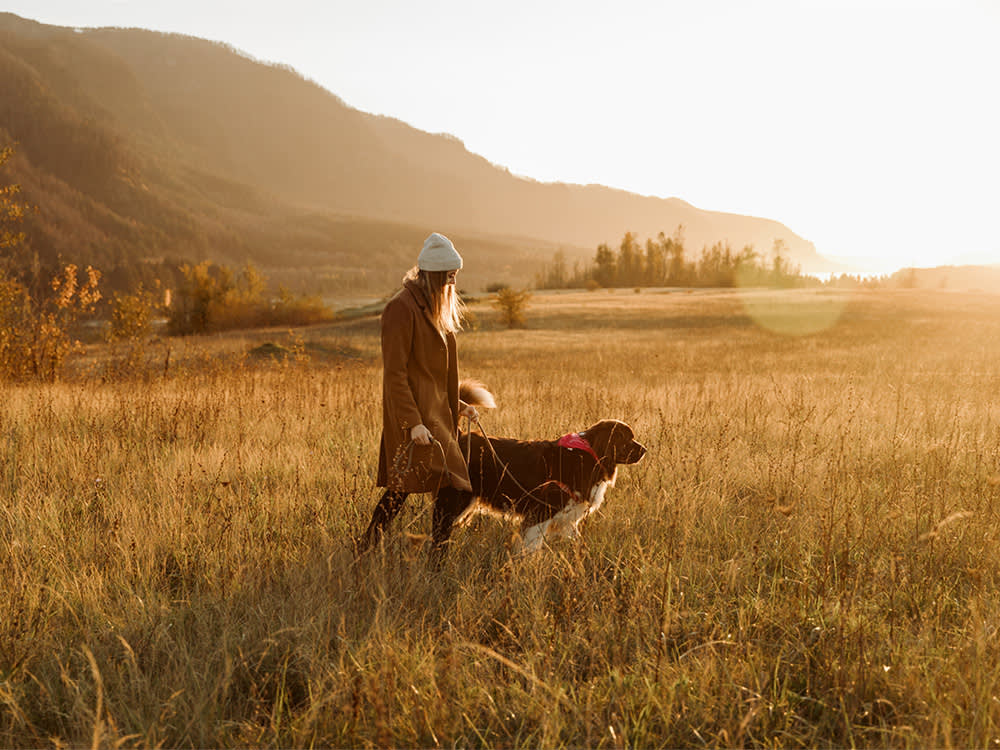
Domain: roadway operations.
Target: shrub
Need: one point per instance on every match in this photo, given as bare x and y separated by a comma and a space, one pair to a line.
198, 291
214, 298
132, 313
131, 324
289, 310
35, 331
11, 211
511, 305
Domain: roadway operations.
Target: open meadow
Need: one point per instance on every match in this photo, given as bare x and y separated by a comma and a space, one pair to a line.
807, 557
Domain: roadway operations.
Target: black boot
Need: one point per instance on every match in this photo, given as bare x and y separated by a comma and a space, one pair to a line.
386, 510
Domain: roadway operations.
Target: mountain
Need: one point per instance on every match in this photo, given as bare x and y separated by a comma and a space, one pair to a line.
136, 144
983, 278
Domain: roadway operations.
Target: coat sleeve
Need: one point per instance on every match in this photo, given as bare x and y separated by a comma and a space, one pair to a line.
397, 340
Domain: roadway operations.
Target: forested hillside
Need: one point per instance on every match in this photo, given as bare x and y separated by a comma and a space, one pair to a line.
137, 145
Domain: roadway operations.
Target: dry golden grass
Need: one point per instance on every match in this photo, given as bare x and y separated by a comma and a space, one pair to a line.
806, 557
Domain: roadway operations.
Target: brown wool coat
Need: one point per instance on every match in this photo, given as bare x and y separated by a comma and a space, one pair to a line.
419, 386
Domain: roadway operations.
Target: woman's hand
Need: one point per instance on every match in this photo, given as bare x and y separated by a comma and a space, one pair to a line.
421, 435
469, 411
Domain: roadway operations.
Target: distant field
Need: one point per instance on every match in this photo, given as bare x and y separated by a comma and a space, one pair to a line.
808, 555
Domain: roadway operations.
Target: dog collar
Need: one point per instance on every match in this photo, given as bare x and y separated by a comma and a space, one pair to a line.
575, 441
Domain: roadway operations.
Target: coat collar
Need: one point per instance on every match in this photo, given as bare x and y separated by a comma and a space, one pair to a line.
420, 297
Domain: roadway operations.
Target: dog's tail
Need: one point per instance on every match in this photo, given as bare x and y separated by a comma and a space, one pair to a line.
476, 394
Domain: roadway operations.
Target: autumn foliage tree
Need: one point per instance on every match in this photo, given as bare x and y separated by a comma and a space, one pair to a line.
36, 328
132, 313
11, 211
215, 298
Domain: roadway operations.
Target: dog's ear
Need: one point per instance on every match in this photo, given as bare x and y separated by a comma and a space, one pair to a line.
614, 442
602, 437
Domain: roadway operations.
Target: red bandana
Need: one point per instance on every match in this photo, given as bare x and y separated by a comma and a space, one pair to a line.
574, 441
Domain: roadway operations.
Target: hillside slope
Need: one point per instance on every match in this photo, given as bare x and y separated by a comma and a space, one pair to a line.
135, 144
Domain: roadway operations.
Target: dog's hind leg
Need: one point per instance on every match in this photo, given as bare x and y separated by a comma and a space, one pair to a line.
386, 510
449, 505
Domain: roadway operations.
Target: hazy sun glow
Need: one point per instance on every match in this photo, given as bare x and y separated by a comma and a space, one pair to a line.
869, 128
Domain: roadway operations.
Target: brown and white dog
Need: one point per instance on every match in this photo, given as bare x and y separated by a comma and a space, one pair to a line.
548, 485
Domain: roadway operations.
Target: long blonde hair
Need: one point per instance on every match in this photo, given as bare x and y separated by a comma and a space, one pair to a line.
447, 308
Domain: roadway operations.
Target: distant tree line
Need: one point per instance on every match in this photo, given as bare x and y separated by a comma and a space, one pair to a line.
215, 298
43, 304
663, 261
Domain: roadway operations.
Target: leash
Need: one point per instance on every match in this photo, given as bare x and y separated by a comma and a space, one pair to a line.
505, 466
468, 438
398, 471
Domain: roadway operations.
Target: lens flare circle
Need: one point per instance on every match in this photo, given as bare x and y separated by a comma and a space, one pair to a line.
794, 312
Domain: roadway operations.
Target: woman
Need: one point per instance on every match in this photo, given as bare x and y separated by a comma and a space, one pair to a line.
419, 449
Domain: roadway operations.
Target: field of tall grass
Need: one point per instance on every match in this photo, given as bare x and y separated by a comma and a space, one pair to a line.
807, 556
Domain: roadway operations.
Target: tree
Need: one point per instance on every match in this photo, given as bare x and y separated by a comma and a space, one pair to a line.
35, 330
556, 276
199, 295
604, 262
717, 265
747, 267
511, 305
783, 273
677, 270
132, 313
215, 298
629, 260
11, 211
35, 327
655, 263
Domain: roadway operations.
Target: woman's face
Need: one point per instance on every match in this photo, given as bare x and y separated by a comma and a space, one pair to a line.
452, 276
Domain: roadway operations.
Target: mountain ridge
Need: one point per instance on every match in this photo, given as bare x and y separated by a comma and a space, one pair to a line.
188, 146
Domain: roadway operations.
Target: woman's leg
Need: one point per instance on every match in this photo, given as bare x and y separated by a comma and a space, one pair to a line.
449, 505
387, 508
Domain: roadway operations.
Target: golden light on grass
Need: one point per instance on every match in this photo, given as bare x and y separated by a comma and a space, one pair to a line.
179, 566
797, 312
943, 524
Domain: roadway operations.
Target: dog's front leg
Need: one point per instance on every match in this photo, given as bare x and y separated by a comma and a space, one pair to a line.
555, 511
532, 538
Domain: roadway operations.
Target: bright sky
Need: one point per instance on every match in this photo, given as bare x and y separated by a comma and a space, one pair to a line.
871, 127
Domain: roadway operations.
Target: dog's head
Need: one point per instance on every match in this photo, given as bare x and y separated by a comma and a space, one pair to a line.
614, 442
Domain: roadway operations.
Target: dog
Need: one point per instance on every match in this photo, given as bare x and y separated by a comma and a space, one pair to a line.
550, 486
